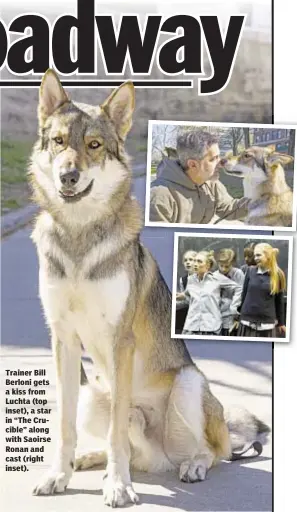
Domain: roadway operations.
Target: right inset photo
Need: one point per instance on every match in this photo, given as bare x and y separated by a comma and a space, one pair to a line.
231, 287
221, 175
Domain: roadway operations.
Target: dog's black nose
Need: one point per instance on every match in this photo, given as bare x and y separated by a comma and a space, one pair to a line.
223, 162
69, 178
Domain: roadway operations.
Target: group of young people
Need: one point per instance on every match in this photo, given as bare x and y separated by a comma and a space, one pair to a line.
217, 298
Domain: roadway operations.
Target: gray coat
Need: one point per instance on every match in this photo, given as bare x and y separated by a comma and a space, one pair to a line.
175, 198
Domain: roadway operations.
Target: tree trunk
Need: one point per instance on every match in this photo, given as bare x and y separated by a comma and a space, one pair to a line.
247, 140
291, 148
236, 134
234, 144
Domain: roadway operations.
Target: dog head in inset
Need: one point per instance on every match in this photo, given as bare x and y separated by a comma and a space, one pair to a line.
170, 153
261, 169
79, 160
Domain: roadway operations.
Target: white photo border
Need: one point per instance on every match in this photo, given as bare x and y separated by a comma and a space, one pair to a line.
243, 227
178, 235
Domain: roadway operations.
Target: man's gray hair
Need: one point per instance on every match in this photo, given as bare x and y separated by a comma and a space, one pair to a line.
193, 145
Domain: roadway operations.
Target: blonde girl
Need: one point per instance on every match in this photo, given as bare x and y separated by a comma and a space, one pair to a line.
263, 312
182, 306
203, 294
188, 263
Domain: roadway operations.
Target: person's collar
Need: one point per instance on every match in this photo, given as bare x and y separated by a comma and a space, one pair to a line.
208, 273
230, 273
261, 271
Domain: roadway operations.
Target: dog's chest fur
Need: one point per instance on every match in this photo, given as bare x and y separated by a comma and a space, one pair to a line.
257, 209
84, 305
83, 297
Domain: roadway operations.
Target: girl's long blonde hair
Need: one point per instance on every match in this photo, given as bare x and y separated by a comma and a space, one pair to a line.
277, 276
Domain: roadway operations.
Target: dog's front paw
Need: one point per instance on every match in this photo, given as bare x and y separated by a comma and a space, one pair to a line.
117, 494
192, 471
52, 483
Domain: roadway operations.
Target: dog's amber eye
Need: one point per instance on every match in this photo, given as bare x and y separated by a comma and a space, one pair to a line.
246, 155
58, 140
94, 144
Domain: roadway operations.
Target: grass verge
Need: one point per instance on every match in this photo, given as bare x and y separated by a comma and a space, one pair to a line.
15, 191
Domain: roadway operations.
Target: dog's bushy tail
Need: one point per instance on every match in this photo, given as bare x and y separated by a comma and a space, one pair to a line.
247, 433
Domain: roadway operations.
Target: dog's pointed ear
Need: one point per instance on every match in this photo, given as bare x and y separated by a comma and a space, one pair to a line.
51, 95
280, 158
270, 148
119, 107
170, 152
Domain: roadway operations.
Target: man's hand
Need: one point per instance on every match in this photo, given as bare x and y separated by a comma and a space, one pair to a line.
180, 296
281, 329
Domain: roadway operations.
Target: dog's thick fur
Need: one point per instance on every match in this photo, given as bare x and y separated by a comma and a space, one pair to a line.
102, 289
264, 183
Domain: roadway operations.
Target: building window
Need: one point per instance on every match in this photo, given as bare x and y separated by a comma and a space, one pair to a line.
267, 136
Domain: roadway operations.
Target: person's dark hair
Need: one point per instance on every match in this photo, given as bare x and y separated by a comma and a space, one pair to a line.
227, 256
193, 145
248, 253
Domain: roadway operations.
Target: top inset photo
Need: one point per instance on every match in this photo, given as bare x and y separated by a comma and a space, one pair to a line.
221, 175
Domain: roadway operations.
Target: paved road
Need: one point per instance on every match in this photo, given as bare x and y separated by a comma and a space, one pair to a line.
239, 373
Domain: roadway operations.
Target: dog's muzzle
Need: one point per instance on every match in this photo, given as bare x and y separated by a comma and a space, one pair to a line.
70, 197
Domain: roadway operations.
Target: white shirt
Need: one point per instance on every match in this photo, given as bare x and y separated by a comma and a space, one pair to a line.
204, 296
